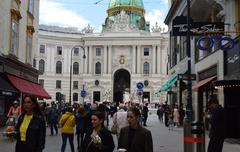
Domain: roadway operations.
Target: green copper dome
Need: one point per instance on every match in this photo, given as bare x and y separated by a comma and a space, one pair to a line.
133, 15
134, 3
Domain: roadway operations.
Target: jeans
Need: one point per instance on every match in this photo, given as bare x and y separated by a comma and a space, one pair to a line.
53, 125
64, 141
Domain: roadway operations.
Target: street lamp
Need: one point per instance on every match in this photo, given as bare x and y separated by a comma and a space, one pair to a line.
84, 57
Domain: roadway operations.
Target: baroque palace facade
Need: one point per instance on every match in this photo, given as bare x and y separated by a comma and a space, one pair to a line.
107, 65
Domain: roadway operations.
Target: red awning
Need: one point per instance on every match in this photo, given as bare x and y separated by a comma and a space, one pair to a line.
28, 87
202, 82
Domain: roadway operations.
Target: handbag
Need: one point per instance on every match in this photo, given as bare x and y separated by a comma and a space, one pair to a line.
114, 127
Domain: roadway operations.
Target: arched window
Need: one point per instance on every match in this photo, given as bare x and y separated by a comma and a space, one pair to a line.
59, 67
98, 68
75, 68
41, 66
58, 96
146, 68
75, 96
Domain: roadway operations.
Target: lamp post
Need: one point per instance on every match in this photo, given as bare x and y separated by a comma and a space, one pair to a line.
84, 56
188, 146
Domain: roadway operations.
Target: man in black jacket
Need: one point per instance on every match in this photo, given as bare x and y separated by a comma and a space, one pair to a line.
145, 114
216, 134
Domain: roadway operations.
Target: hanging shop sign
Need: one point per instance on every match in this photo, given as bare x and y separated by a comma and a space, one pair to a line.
179, 27
185, 77
225, 43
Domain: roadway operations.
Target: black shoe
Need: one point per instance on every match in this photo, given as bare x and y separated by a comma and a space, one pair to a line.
144, 124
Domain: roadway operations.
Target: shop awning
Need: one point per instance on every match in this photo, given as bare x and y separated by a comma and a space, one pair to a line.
6, 89
168, 84
201, 83
28, 87
227, 83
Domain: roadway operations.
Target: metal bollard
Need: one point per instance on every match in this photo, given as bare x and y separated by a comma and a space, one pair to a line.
198, 134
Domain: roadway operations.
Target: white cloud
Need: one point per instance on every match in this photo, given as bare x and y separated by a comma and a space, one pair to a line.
155, 16
54, 13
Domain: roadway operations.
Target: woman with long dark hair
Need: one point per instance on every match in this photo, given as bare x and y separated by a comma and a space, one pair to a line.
31, 128
99, 139
135, 138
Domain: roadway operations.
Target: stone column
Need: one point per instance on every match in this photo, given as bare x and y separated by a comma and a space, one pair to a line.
134, 59
139, 59
86, 60
81, 60
53, 62
109, 59
159, 60
90, 59
105, 59
153, 59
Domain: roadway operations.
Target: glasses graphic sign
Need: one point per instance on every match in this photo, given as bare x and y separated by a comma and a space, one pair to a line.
225, 43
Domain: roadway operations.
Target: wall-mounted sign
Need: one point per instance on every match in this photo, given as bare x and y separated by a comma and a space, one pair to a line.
179, 27
83, 93
221, 41
185, 77
140, 85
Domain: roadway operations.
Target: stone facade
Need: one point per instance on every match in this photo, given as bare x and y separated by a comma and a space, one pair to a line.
114, 51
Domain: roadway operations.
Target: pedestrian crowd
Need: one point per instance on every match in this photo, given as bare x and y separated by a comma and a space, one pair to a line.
87, 123
172, 116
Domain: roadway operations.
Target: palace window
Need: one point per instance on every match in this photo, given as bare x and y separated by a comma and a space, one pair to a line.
146, 68
59, 50
98, 51
41, 66
98, 68
58, 84
75, 68
146, 51
75, 96
41, 82
42, 49
75, 84
59, 67
76, 52
58, 96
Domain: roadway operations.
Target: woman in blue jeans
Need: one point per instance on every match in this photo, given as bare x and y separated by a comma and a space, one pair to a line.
67, 122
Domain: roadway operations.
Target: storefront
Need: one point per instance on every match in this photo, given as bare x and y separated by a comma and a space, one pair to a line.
203, 90
7, 95
17, 79
231, 88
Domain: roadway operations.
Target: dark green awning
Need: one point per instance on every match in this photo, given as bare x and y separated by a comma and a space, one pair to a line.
167, 85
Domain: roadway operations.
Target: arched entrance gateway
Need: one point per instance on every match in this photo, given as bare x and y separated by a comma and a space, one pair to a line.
121, 85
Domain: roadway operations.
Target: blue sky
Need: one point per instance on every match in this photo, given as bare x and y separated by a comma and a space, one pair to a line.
80, 13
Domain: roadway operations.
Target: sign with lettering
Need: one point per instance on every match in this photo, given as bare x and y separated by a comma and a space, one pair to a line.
179, 27
224, 43
185, 77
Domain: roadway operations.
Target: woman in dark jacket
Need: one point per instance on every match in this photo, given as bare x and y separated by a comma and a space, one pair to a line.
31, 129
99, 139
135, 138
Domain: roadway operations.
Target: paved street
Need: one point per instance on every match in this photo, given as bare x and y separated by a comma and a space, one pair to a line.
163, 140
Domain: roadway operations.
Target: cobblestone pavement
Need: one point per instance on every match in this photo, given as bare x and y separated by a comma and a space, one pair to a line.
163, 140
